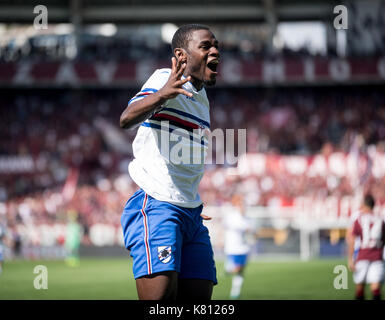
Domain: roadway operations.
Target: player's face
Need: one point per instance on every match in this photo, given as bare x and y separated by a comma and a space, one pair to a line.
202, 58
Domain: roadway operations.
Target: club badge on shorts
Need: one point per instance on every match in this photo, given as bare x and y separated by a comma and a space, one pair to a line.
164, 253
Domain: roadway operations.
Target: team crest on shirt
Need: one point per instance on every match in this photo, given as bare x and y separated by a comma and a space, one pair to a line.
164, 253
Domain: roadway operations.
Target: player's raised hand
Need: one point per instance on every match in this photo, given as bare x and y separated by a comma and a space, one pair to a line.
174, 85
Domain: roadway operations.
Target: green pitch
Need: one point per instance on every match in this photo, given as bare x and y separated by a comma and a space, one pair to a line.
105, 278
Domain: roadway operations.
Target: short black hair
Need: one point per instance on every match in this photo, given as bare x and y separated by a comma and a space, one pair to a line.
369, 201
182, 35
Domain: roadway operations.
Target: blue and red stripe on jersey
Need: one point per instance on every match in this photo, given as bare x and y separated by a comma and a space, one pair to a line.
178, 122
190, 136
187, 124
187, 115
143, 93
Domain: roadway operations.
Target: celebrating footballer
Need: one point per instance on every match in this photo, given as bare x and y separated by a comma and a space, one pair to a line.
162, 221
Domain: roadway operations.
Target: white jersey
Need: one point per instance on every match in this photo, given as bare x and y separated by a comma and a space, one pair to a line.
170, 146
237, 226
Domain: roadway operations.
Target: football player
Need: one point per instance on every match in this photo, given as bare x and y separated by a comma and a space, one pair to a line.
162, 221
237, 246
368, 267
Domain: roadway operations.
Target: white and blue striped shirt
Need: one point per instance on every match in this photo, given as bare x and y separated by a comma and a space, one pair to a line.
170, 146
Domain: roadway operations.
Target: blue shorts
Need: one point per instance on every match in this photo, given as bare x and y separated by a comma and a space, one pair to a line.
235, 260
165, 237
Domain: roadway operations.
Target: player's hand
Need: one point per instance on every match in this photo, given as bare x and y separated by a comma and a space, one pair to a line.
173, 86
351, 265
204, 217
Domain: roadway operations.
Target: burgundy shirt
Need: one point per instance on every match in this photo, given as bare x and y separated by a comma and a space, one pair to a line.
371, 230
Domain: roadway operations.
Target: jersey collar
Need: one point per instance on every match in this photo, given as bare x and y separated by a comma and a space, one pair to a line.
191, 86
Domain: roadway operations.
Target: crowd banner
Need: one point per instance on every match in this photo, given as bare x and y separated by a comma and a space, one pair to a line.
259, 71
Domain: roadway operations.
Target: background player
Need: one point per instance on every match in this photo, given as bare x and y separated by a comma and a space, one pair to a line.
162, 222
2, 236
237, 248
368, 266
74, 234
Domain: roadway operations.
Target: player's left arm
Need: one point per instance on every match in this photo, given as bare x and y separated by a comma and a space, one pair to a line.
350, 240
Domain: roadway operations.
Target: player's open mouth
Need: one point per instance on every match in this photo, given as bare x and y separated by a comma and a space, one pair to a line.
212, 65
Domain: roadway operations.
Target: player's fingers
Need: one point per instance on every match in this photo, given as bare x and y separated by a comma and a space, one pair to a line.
173, 65
204, 217
181, 70
186, 93
183, 81
177, 65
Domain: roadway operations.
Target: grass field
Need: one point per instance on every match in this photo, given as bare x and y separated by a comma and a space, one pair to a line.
105, 278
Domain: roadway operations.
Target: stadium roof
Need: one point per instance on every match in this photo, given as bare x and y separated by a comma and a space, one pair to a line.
177, 11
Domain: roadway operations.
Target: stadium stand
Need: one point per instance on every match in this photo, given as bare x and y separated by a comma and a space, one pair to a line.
62, 149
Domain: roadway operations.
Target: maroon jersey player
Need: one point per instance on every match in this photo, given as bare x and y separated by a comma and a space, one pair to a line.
368, 267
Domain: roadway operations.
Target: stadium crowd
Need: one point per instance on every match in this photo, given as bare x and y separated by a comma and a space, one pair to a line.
121, 49
59, 130
134, 47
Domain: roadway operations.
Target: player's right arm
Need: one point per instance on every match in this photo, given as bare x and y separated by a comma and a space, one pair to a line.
138, 111
350, 241
350, 237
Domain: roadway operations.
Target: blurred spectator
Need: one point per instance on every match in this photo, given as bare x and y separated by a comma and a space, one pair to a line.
60, 129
